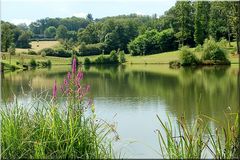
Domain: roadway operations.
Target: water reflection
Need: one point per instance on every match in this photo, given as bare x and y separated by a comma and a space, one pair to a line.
136, 93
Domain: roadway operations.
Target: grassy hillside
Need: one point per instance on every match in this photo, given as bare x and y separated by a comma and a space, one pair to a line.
38, 45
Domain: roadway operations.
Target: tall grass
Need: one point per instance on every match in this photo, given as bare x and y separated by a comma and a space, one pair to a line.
53, 130
192, 141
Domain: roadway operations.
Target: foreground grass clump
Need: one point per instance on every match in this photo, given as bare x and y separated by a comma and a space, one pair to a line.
191, 142
53, 130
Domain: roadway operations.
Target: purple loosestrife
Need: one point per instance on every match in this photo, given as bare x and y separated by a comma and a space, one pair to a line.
69, 75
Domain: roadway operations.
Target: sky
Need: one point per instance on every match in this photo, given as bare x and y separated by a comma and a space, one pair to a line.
27, 11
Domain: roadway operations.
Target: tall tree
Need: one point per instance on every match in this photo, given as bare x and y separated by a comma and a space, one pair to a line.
218, 24
184, 12
7, 36
61, 32
201, 21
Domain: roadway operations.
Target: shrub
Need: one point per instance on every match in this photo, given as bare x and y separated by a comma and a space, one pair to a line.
102, 60
187, 57
122, 58
212, 51
152, 42
63, 53
113, 57
199, 48
33, 63
87, 61
32, 52
223, 43
47, 52
91, 49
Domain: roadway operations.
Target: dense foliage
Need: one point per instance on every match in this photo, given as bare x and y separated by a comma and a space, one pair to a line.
187, 57
186, 23
153, 42
212, 51
59, 52
91, 49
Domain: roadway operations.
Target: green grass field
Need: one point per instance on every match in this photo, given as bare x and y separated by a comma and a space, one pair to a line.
37, 46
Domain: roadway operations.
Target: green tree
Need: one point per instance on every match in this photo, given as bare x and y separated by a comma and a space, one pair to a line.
6, 36
50, 32
218, 24
201, 21
61, 32
89, 17
184, 13
24, 39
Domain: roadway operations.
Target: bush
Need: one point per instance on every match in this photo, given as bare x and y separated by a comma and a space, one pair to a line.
32, 52
223, 43
187, 57
33, 63
47, 52
212, 51
91, 49
113, 57
87, 61
122, 58
152, 42
199, 48
62, 53
59, 52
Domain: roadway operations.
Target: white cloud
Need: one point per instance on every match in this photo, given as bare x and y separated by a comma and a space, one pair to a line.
80, 14
19, 21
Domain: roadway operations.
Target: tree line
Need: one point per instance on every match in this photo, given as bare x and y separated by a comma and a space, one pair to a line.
186, 23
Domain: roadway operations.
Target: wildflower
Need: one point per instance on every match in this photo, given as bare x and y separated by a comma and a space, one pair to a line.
69, 75
65, 82
54, 89
74, 65
80, 75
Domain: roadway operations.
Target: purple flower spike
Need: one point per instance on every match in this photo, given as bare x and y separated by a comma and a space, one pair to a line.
80, 75
69, 75
74, 66
65, 82
54, 89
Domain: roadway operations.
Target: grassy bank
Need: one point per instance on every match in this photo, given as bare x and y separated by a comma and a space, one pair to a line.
161, 58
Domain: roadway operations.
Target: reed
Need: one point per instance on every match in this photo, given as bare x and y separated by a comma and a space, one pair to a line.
192, 141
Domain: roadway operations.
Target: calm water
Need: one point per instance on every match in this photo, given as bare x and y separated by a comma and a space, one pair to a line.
131, 97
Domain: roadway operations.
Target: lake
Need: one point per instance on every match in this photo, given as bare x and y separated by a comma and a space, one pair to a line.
131, 96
